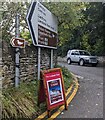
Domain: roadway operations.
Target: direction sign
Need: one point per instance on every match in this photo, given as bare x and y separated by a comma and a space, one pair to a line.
42, 25
18, 42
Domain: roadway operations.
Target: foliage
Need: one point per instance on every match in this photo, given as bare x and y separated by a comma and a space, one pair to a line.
22, 102
26, 35
8, 18
68, 79
80, 24
70, 20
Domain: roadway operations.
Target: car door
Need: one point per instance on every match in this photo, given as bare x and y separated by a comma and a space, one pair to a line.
72, 56
75, 56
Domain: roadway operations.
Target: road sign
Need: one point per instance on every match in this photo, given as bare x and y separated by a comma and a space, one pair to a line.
18, 42
42, 25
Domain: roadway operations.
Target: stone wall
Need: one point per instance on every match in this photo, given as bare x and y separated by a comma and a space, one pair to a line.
28, 63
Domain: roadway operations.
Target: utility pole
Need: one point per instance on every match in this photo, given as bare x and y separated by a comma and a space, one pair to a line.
17, 64
39, 52
51, 58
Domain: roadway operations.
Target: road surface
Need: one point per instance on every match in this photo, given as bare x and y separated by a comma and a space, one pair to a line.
88, 103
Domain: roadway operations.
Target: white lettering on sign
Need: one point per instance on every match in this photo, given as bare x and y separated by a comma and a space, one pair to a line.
42, 17
50, 76
43, 25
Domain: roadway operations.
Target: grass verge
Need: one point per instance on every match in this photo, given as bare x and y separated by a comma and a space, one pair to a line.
21, 102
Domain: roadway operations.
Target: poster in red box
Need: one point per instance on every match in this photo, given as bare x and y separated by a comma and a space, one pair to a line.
53, 88
55, 91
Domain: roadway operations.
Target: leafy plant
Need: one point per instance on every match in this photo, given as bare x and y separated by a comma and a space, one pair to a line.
22, 102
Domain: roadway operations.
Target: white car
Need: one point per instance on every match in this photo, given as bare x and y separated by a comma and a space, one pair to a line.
81, 57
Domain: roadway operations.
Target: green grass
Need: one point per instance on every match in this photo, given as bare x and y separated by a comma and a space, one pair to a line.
21, 102
68, 79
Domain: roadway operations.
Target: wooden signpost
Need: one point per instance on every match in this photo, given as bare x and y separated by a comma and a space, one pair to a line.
51, 89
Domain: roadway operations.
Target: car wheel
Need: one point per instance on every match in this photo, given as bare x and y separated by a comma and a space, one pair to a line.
69, 61
81, 62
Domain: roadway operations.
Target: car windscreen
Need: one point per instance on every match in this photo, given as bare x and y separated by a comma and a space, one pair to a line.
84, 53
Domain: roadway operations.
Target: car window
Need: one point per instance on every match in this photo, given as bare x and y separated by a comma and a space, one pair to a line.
76, 53
73, 53
84, 53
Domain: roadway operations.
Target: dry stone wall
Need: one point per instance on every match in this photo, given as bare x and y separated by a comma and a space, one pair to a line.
28, 63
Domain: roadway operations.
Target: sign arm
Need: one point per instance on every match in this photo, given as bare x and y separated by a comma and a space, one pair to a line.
29, 17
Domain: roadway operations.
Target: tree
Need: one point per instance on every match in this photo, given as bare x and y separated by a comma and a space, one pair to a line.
94, 28
80, 25
70, 20
8, 19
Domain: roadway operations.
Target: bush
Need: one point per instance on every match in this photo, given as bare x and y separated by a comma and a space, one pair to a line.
21, 102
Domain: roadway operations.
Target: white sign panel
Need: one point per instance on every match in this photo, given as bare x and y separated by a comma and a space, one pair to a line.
42, 25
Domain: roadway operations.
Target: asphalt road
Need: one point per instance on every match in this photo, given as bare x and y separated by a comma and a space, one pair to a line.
88, 103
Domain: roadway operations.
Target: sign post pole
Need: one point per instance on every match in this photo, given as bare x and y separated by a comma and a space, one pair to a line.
39, 51
17, 53
43, 26
51, 58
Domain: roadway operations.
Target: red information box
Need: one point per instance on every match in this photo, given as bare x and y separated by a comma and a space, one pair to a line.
52, 89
